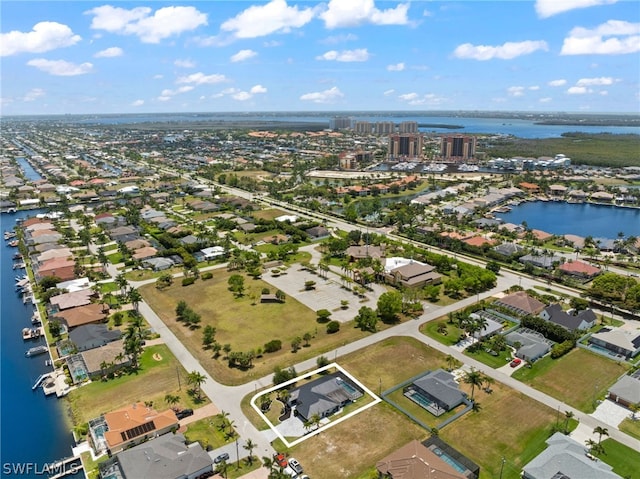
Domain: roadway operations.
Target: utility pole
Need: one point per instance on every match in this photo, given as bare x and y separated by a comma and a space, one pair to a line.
502, 466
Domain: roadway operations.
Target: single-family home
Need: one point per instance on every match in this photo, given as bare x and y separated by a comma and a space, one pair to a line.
81, 315
130, 426
417, 461
164, 457
623, 342
541, 260
437, 392
565, 457
579, 269
626, 390
529, 345
323, 396
92, 336
521, 303
577, 320
508, 249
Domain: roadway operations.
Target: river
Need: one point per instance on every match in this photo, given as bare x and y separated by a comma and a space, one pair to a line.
34, 427
582, 219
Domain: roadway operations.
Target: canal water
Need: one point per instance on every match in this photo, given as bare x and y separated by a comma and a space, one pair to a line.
582, 219
34, 430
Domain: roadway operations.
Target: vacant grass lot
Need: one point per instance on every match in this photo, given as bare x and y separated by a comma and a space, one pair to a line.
578, 378
509, 424
631, 427
245, 324
152, 382
209, 432
449, 336
624, 460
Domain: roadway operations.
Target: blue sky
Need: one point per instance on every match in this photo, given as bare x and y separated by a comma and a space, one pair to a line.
285, 55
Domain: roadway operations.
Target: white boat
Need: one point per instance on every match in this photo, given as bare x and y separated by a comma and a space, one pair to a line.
36, 350
464, 167
435, 167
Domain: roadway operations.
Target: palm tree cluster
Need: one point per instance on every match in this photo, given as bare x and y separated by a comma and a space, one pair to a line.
476, 379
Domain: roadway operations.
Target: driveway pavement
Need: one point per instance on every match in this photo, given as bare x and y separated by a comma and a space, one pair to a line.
611, 413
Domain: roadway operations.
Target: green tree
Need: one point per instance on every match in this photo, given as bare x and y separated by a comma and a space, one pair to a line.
172, 400
250, 446
389, 306
323, 315
367, 319
236, 284
601, 431
208, 336
196, 379
474, 378
567, 417
135, 297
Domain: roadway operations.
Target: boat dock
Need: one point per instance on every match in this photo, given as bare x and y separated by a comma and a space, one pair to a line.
56, 383
68, 466
32, 333
38, 382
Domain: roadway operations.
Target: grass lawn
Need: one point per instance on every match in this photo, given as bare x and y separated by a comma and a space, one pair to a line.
267, 214
431, 329
624, 460
492, 361
115, 258
350, 448
109, 287
244, 324
238, 470
157, 377
208, 432
631, 427
510, 425
577, 378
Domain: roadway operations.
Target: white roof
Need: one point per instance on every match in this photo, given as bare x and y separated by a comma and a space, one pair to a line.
397, 262
292, 218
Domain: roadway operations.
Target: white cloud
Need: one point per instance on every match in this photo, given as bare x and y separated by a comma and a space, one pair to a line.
389, 92
44, 37
398, 67
506, 51
596, 81
546, 99
202, 79
534, 88
341, 13
137, 103
241, 96
158, 77
184, 63
34, 94
559, 82
427, 99
150, 28
60, 67
257, 89
578, 90
260, 20
603, 92
615, 37
109, 53
548, 8
333, 39
243, 55
326, 96
167, 93
515, 91
409, 96
358, 55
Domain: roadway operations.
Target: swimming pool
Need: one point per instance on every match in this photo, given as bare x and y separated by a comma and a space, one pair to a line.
449, 460
351, 391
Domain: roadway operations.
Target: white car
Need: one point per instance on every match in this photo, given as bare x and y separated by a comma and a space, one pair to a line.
296, 466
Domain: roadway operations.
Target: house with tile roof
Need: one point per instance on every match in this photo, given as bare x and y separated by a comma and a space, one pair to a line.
580, 269
521, 303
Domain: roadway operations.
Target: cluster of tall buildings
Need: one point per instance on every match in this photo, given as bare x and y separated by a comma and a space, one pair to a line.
372, 128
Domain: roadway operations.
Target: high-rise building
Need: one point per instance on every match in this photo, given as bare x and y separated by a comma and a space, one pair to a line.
405, 145
363, 127
340, 123
458, 147
408, 127
385, 128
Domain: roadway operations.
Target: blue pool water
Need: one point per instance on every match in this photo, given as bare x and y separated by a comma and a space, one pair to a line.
449, 460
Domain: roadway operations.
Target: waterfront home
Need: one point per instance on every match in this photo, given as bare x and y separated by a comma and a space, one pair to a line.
626, 391
71, 300
508, 249
92, 336
578, 320
117, 430
565, 457
557, 191
416, 461
619, 341
541, 261
62, 268
521, 303
100, 361
165, 457
81, 315
530, 188
602, 197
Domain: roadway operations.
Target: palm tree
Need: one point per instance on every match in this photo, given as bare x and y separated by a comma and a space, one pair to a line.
595, 448
222, 468
567, 415
122, 282
474, 378
135, 297
196, 379
601, 431
172, 400
250, 446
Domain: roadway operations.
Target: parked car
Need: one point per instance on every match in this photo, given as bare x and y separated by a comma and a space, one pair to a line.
515, 362
281, 460
184, 413
296, 466
222, 457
